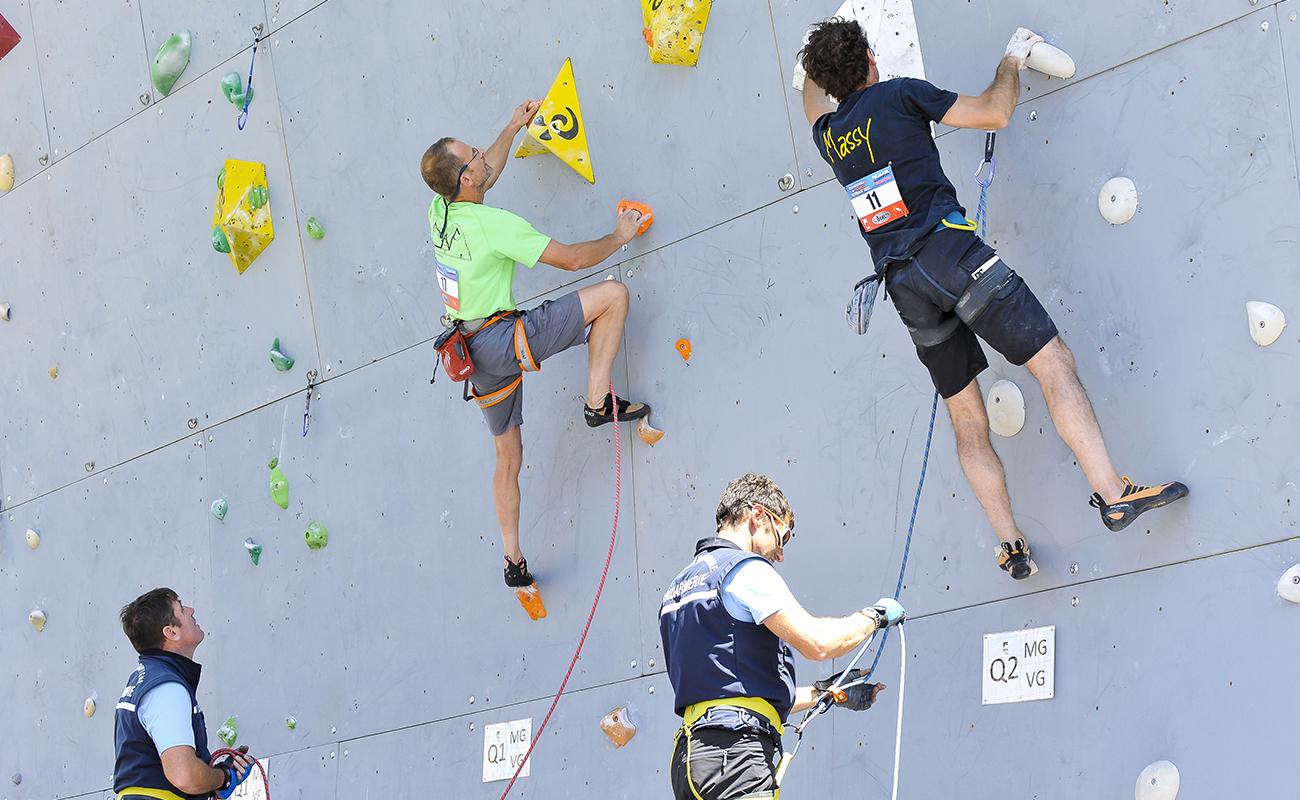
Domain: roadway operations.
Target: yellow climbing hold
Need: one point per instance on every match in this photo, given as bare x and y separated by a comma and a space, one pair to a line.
6, 172
54, 371
37, 618
558, 127
674, 29
243, 211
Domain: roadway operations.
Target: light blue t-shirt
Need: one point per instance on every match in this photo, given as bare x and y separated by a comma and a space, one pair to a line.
755, 591
166, 714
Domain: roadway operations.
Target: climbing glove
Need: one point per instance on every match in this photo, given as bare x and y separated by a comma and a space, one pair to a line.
858, 697
226, 763
886, 612
1021, 43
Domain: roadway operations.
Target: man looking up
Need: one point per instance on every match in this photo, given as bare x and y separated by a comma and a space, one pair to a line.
160, 736
727, 622
477, 247
947, 284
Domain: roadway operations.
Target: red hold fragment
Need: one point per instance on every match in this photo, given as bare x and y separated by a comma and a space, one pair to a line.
9, 37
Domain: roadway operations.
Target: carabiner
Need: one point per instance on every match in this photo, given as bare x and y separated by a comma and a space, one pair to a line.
988, 159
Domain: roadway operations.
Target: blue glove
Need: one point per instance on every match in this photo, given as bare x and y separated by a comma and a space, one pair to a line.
886, 612
227, 762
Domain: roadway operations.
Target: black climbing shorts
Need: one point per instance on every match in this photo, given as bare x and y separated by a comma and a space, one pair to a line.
925, 290
726, 764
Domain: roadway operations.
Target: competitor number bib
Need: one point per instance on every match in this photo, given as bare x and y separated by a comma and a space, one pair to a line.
876, 199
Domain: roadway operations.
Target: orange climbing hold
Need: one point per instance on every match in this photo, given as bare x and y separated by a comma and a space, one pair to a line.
618, 726
9, 37
648, 434
684, 347
647, 216
531, 600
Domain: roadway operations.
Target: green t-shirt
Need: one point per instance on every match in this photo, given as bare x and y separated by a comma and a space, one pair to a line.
476, 258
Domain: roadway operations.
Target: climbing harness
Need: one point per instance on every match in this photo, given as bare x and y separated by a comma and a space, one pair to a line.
248, 92
613, 536
226, 751
306, 415
827, 698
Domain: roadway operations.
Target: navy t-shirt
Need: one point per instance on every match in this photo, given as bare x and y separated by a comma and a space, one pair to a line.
888, 124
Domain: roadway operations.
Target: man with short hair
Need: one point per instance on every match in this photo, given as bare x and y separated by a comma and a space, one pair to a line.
160, 736
476, 248
727, 622
947, 284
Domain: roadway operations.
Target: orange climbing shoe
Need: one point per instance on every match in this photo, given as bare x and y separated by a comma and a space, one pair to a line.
1135, 500
1015, 560
521, 580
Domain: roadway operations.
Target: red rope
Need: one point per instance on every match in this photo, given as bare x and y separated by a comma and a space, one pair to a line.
618, 472
227, 751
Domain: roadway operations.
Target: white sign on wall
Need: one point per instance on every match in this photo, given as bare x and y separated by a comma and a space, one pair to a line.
504, 747
253, 787
1019, 665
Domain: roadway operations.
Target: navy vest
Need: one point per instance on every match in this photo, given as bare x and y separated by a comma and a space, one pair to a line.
139, 763
711, 655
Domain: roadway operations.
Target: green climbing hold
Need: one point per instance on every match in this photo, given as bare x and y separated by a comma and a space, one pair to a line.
314, 230
279, 484
229, 732
278, 358
219, 241
290, 723
254, 549
219, 508
233, 87
221, 179
170, 62
316, 535
257, 197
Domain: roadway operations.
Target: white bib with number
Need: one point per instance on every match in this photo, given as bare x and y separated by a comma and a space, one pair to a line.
876, 199
449, 283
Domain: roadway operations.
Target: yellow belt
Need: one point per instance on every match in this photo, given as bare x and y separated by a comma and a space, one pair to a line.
161, 794
758, 705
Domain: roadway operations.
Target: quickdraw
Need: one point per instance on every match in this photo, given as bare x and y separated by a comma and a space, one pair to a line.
306, 415
248, 94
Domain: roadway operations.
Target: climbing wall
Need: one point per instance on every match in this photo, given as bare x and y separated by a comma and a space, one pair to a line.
138, 390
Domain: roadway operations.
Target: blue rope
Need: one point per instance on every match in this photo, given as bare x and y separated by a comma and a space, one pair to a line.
248, 93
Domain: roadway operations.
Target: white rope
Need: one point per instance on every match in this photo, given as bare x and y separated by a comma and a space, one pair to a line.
902, 683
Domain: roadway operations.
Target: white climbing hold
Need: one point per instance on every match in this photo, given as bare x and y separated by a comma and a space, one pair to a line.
37, 618
1288, 586
6, 172
1159, 781
1050, 60
1006, 408
1266, 322
4, 311
89, 708
1118, 200
33, 538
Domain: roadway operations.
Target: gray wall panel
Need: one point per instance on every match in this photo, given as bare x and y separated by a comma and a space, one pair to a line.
93, 68
23, 135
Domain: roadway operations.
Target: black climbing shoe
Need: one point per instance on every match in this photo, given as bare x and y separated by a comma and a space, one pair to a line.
1015, 560
605, 414
1134, 501
518, 574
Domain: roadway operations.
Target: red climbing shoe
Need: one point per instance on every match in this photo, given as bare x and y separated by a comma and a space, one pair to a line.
521, 580
1134, 501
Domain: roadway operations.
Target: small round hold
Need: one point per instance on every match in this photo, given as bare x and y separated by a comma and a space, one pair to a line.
1292, 17
37, 619
808, 172
633, 664
144, 99
4, 311
651, 690
1159, 781
17, 778
44, 159
1006, 408
193, 423
220, 507
1263, 26
290, 722
1074, 568
334, 730
33, 539
53, 372
345, 752
795, 209
89, 708
1118, 200
608, 277
629, 273
471, 699
651, 663
1288, 586
6, 172
786, 183
90, 466
1266, 322
1033, 115
1074, 601
331, 752
471, 726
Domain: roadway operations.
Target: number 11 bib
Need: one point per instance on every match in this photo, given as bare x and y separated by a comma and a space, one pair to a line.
876, 199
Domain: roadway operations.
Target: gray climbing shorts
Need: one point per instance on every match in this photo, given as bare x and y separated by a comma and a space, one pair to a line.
925, 289
501, 356
726, 765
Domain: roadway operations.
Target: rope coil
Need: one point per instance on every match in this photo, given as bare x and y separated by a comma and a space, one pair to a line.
226, 751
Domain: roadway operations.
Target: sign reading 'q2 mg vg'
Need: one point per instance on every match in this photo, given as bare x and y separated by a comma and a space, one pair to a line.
1019, 665
504, 746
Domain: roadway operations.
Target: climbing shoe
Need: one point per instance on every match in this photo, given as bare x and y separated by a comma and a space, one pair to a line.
1136, 499
605, 414
1015, 560
518, 574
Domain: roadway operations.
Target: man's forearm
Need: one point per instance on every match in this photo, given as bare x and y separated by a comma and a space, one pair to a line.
589, 254
498, 152
1003, 93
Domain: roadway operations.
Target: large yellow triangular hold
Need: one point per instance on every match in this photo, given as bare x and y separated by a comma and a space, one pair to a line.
674, 29
243, 212
558, 126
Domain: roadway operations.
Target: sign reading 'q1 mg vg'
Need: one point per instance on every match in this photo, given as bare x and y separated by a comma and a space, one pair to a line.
1019, 665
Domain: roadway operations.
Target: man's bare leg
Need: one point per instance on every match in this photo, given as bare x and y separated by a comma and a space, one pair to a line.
980, 462
604, 308
1075, 421
505, 489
